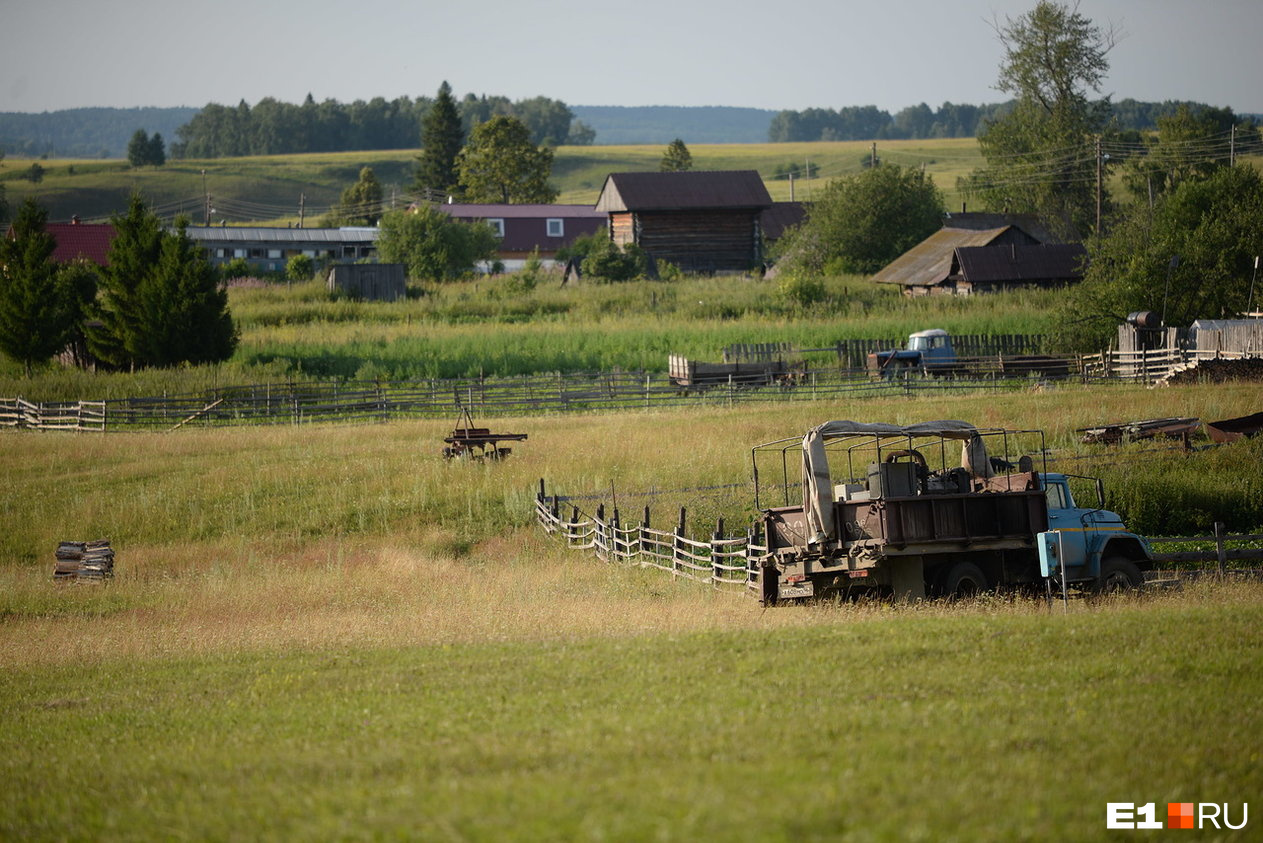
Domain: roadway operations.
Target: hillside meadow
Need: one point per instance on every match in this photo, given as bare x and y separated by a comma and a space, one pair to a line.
268, 189
330, 632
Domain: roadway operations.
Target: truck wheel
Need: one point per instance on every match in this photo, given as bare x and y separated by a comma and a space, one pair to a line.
964, 579
1119, 574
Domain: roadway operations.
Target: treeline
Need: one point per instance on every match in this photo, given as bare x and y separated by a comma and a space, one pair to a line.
84, 132
272, 127
950, 120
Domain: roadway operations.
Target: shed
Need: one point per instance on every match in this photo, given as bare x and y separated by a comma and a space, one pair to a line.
928, 267
701, 221
369, 281
986, 268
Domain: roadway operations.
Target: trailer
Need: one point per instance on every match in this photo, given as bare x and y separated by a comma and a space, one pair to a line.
939, 508
694, 374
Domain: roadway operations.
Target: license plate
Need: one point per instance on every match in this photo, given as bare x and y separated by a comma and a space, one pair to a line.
789, 592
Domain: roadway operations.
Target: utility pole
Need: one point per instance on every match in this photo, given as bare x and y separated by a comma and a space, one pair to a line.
873, 157
1100, 178
1232, 147
302, 202
791, 185
207, 208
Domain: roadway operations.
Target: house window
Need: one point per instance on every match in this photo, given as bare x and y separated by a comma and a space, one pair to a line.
556, 228
497, 225
274, 254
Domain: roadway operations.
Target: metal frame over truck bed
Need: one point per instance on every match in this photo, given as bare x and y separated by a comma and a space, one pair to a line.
914, 521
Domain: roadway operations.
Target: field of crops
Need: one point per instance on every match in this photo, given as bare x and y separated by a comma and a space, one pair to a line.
330, 631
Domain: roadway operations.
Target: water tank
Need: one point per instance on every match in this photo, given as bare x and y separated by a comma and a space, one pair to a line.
1146, 319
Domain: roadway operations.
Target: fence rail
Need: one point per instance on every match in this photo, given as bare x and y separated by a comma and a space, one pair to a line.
357, 401
62, 415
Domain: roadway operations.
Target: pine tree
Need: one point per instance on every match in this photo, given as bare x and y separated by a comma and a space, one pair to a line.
184, 315
677, 158
36, 314
137, 244
442, 137
361, 203
138, 149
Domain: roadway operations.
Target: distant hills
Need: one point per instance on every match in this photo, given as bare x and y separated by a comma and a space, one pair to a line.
86, 132
617, 124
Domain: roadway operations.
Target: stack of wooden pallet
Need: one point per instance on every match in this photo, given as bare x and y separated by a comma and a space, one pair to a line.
84, 561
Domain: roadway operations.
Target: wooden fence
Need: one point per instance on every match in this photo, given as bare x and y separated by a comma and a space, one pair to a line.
736, 561
62, 415
852, 353
718, 561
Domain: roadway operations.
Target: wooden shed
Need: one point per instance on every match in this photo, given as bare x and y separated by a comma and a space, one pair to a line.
706, 221
369, 281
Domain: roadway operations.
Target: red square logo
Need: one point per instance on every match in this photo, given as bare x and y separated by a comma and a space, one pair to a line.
1179, 815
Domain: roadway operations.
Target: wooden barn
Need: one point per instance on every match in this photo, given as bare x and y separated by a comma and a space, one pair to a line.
699, 221
975, 252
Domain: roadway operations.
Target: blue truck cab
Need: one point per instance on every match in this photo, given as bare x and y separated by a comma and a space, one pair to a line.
1091, 545
926, 351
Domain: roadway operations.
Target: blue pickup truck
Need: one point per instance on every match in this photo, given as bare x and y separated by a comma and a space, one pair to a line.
927, 351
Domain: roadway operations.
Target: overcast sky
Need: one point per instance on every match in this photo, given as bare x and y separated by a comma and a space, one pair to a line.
775, 54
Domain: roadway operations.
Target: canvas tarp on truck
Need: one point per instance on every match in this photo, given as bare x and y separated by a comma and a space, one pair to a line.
818, 487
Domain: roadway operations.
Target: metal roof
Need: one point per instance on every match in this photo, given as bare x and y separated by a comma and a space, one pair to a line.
480, 211
247, 234
930, 261
688, 190
1016, 264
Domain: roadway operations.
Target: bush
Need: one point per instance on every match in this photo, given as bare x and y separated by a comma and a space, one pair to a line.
801, 290
606, 262
527, 278
300, 268
236, 268
432, 245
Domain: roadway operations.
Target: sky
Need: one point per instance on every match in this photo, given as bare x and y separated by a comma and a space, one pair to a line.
783, 54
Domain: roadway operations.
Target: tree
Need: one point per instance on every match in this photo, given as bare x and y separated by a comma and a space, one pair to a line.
300, 268
36, 311
860, 223
676, 159
1192, 257
1184, 149
432, 245
160, 303
184, 315
137, 244
441, 139
1040, 156
143, 150
606, 262
361, 203
500, 164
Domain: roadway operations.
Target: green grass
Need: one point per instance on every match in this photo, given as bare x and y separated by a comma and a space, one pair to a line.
267, 189
896, 725
477, 327
330, 632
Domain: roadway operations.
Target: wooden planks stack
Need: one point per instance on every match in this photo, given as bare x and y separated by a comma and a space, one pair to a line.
92, 560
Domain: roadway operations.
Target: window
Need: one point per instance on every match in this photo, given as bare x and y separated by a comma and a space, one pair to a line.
274, 254
497, 225
556, 228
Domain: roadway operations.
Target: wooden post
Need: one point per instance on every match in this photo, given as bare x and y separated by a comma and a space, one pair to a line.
676, 546
1220, 554
716, 574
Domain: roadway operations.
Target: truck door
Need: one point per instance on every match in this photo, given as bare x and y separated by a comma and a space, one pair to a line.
1063, 515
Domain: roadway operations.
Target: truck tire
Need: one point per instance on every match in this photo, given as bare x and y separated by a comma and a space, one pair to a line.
964, 579
1119, 574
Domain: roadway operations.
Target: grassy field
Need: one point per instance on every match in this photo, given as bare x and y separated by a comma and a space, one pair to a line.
267, 189
481, 327
330, 632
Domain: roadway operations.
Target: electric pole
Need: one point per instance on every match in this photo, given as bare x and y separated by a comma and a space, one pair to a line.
1100, 178
302, 201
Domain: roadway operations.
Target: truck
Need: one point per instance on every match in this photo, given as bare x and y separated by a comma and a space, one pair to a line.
693, 374
934, 509
927, 351
931, 352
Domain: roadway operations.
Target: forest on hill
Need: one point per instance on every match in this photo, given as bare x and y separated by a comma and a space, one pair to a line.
271, 127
